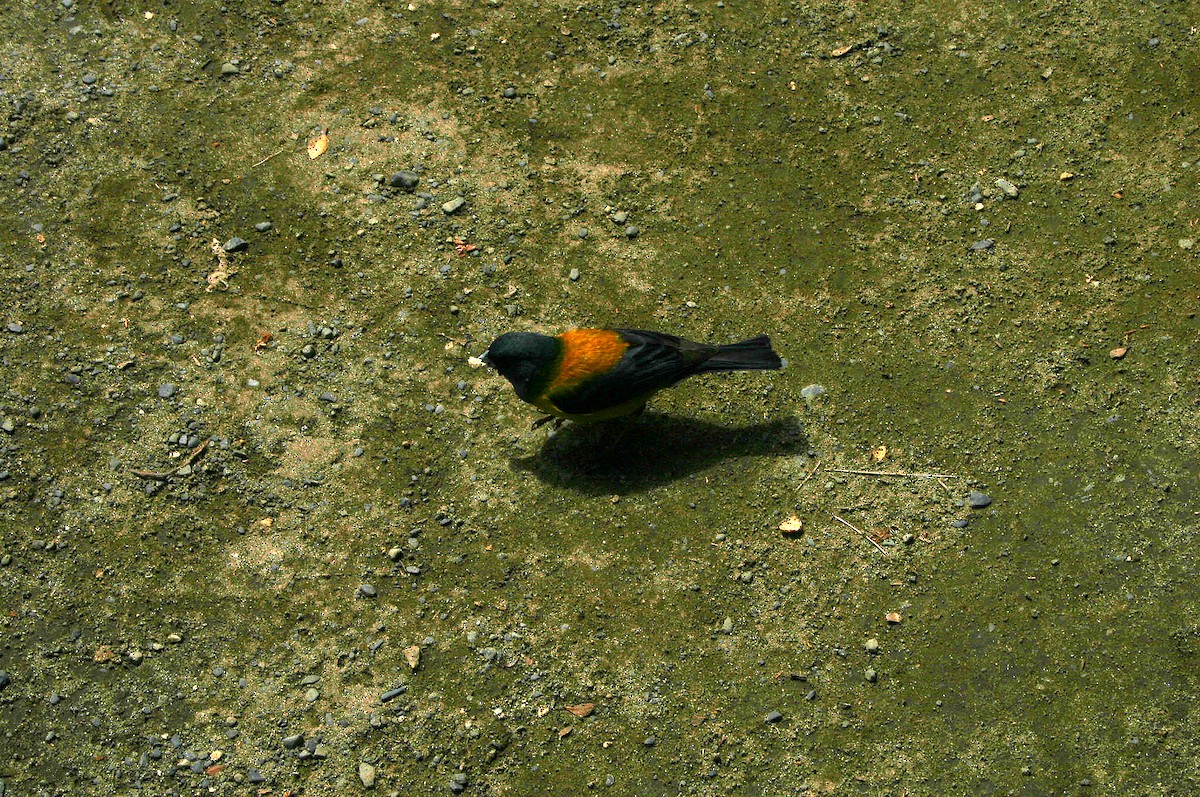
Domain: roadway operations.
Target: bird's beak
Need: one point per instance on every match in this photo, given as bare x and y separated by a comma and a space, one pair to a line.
482, 359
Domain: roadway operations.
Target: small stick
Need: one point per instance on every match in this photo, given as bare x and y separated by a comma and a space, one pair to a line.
462, 343
863, 533
272, 155
811, 473
895, 473
162, 477
946, 487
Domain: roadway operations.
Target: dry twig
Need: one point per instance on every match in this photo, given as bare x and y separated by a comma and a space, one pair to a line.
895, 473
863, 533
164, 475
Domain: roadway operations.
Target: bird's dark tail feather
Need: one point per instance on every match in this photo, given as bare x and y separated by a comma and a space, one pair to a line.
755, 354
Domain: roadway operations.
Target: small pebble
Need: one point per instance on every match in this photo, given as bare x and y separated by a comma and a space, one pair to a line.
404, 180
872, 645
574, 275
982, 246
453, 205
367, 591
263, 226
366, 774
166, 390
650, 741
292, 742
1010, 190
774, 717
632, 232
978, 500
871, 675
235, 244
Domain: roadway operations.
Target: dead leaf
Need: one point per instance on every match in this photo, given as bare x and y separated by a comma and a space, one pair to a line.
791, 525
1119, 352
879, 453
412, 655
318, 144
840, 51
893, 617
103, 653
564, 732
214, 769
582, 710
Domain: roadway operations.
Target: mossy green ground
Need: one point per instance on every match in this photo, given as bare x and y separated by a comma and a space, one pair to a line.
825, 173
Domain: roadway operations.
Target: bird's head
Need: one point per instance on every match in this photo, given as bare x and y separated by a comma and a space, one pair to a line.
525, 359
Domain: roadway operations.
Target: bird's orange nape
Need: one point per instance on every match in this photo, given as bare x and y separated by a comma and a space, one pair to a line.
586, 353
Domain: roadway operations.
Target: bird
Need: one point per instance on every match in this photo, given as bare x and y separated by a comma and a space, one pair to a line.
599, 374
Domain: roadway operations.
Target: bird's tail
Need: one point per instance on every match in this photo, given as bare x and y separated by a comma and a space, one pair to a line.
755, 354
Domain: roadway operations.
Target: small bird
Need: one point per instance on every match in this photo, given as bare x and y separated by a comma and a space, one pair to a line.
596, 374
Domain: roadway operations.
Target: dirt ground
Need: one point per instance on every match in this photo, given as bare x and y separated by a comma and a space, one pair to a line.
263, 531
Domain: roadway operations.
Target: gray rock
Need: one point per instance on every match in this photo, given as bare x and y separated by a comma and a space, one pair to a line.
235, 244
978, 500
1010, 190
292, 742
404, 180
453, 205
774, 717
166, 390
982, 246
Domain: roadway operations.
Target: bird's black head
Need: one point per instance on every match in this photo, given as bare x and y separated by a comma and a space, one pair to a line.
526, 359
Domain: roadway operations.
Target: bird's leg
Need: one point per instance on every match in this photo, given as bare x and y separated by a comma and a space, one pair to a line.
628, 422
545, 419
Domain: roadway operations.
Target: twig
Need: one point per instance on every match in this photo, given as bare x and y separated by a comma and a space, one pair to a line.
811, 473
272, 155
863, 533
462, 343
163, 476
946, 487
895, 473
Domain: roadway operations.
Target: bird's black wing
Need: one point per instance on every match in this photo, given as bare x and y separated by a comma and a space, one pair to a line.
653, 361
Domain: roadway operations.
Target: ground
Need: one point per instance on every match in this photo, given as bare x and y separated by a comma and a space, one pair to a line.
264, 531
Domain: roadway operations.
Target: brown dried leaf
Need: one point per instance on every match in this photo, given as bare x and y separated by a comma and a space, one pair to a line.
412, 655
893, 617
1119, 352
564, 732
839, 52
582, 710
318, 144
879, 453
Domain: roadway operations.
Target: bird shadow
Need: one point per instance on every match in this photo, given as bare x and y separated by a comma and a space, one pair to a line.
628, 456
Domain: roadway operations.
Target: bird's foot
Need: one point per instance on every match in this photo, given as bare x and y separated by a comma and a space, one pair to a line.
545, 419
